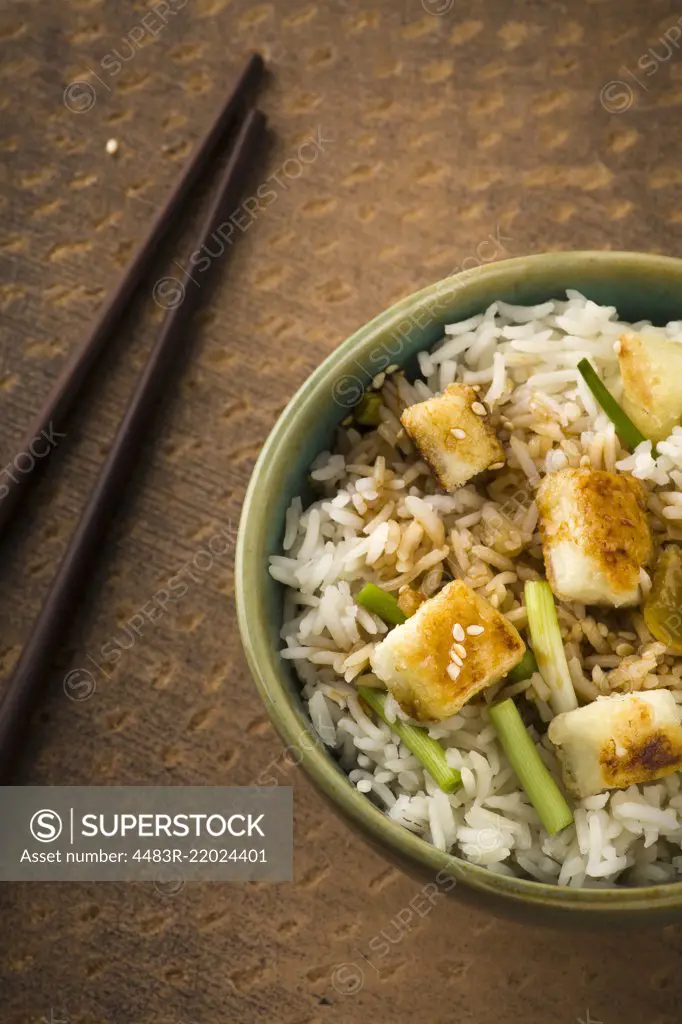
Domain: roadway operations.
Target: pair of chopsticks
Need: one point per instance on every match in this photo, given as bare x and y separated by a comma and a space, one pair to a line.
240, 128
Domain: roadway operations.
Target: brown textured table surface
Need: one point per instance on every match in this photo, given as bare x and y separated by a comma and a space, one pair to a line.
441, 127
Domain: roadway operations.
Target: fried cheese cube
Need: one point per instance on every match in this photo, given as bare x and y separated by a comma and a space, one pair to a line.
651, 368
595, 535
453, 646
617, 741
454, 435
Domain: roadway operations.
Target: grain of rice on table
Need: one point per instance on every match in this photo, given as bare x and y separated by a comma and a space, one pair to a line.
379, 516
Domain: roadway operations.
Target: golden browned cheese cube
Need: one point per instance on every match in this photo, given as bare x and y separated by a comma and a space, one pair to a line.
595, 535
651, 368
451, 648
454, 435
617, 741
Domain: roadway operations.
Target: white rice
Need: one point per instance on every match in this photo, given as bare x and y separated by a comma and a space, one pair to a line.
380, 517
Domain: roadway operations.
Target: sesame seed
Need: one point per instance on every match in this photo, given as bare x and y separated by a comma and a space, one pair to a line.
379, 380
453, 671
112, 146
479, 409
497, 465
475, 630
458, 632
392, 368
458, 433
460, 649
455, 658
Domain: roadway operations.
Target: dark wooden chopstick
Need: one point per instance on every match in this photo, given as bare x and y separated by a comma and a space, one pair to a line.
72, 378
31, 671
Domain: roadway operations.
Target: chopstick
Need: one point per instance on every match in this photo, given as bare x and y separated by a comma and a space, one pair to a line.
31, 670
72, 378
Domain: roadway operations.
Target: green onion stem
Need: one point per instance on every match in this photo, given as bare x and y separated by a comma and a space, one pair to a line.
366, 412
537, 783
383, 604
548, 645
524, 669
629, 434
428, 751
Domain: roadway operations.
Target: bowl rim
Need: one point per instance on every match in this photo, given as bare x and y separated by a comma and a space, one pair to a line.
267, 667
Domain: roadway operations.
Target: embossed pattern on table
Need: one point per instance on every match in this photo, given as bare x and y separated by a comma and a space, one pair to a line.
443, 129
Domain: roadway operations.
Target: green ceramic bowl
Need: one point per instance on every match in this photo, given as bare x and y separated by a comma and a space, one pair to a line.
642, 287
